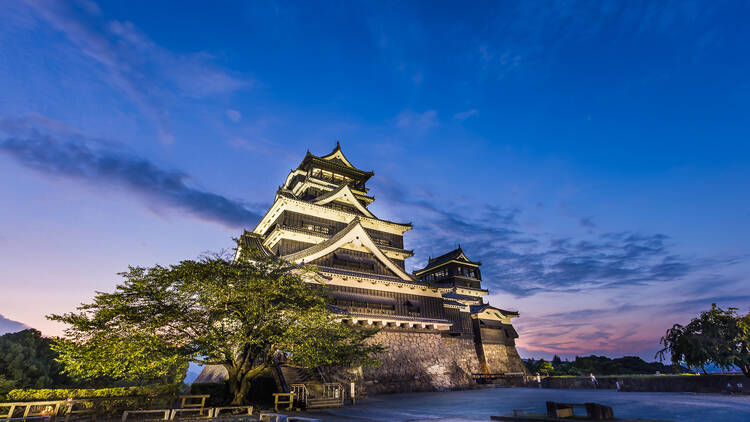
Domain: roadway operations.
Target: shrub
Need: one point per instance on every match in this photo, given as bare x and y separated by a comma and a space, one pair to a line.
106, 400
5, 386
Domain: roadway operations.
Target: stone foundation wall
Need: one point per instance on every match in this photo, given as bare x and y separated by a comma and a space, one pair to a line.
501, 358
416, 361
421, 361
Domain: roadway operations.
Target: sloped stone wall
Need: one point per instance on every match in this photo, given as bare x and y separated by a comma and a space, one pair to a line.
421, 361
501, 358
416, 361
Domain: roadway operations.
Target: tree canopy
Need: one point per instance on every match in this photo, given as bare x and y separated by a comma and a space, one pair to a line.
241, 314
27, 361
717, 336
601, 365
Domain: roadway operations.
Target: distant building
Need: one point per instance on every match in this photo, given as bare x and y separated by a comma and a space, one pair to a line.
434, 321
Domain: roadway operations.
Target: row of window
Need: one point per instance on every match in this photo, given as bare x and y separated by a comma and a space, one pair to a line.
332, 177
443, 272
467, 271
382, 242
411, 308
316, 228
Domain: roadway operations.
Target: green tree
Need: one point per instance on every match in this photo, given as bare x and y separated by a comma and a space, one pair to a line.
717, 336
242, 315
27, 361
5, 386
544, 367
556, 361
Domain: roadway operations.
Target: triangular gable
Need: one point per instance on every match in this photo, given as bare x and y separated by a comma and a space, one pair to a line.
355, 234
344, 194
490, 312
338, 154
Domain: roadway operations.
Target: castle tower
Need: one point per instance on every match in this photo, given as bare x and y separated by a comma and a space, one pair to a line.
428, 319
459, 279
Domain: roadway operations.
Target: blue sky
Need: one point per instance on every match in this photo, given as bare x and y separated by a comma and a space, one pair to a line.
594, 155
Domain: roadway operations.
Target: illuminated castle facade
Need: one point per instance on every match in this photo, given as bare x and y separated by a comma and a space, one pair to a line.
434, 321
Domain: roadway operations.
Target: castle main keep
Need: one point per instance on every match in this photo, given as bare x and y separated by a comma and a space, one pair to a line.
434, 321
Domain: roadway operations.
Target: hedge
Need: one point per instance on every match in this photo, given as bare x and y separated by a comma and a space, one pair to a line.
106, 400
88, 393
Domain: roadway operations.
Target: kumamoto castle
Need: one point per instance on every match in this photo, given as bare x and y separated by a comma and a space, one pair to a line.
437, 327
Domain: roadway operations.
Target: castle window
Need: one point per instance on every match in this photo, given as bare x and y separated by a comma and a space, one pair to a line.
381, 242
412, 307
440, 273
316, 228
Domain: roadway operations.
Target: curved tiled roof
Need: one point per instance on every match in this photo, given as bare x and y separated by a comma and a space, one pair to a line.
452, 303
405, 318
254, 243
368, 275
453, 295
479, 308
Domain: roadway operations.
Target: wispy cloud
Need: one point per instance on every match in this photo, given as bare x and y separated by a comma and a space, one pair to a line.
48, 147
524, 263
144, 71
234, 115
419, 122
587, 222
466, 114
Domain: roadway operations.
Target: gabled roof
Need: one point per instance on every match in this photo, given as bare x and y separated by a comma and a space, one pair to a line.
454, 255
338, 160
338, 156
352, 233
254, 243
344, 194
476, 309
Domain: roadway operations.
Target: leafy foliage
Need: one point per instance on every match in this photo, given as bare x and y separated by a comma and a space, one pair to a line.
117, 398
600, 365
243, 315
717, 336
545, 367
27, 361
88, 393
5, 386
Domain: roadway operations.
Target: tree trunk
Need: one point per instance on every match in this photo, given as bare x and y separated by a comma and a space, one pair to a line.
239, 381
745, 370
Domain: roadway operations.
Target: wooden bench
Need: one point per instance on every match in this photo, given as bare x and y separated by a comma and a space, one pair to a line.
283, 399
193, 403
594, 411
49, 409
218, 410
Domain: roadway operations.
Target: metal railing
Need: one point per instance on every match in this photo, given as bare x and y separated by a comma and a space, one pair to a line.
300, 394
333, 390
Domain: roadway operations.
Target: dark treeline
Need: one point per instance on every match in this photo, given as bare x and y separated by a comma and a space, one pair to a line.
27, 361
599, 365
